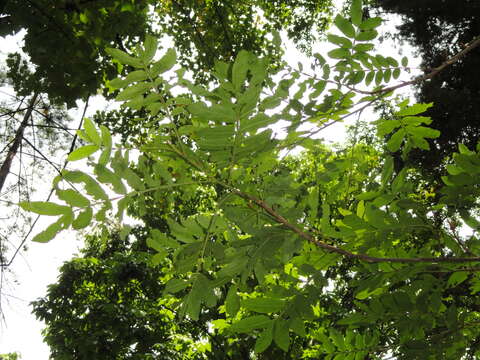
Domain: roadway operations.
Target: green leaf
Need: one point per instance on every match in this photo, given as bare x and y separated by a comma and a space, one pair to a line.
404, 61
134, 76
134, 91
339, 53
82, 152
44, 208
117, 83
364, 47
106, 137
124, 58
191, 305
414, 109
385, 127
264, 340
464, 150
369, 77
106, 176
83, 219
50, 232
160, 241
298, 326
424, 132
337, 339
72, 198
396, 73
133, 180
399, 181
83, 18
264, 305
357, 77
344, 26
91, 186
232, 302
392, 62
151, 45
366, 35
240, 69
233, 268
378, 77
91, 131
107, 146
396, 140
387, 170
371, 23
320, 59
165, 63
174, 286
281, 335
470, 220
356, 12
387, 74
457, 278
339, 40
251, 323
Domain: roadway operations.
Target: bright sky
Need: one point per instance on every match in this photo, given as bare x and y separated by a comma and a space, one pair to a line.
37, 268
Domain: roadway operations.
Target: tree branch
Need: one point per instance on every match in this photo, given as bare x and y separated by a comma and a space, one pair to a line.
333, 249
12, 151
43, 156
72, 147
469, 47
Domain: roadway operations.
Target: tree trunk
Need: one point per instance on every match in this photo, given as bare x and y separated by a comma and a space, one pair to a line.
12, 151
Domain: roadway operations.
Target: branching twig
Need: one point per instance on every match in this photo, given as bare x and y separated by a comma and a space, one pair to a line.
469, 47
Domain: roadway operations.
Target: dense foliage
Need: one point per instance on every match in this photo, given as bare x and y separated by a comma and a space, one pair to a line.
108, 304
206, 31
65, 40
330, 255
439, 30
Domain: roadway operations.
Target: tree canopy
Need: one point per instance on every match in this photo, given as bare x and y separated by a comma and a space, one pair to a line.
65, 40
439, 30
331, 254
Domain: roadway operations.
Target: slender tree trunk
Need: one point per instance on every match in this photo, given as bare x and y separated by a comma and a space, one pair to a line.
12, 151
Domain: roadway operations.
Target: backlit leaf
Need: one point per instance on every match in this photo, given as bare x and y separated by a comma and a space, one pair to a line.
72, 198
83, 219
82, 152
356, 12
50, 232
165, 63
44, 208
344, 26
124, 58
91, 131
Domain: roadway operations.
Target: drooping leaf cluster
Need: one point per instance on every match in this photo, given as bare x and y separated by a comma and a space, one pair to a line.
332, 255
